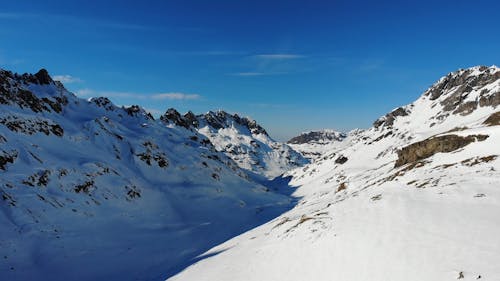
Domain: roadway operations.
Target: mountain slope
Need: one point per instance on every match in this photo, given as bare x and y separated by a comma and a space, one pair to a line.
314, 144
92, 191
415, 198
242, 140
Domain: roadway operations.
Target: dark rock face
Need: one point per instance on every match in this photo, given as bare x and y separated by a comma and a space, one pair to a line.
133, 110
153, 154
388, 119
103, 102
317, 136
341, 159
217, 120
7, 157
426, 148
13, 92
31, 126
43, 77
172, 115
461, 84
191, 119
493, 119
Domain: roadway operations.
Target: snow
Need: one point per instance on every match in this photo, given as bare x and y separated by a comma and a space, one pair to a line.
129, 219
120, 196
436, 221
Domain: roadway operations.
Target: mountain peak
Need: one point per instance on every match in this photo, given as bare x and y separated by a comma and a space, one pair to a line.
43, 77
458, 93
320, 136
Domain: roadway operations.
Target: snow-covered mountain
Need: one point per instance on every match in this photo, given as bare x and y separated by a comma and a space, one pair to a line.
92, 191
314, 144
415, 197
242, 140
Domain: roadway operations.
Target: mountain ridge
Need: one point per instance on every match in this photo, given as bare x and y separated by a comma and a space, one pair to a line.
88, 183
414, 197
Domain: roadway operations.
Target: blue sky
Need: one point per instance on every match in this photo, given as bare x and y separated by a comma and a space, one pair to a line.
291, 65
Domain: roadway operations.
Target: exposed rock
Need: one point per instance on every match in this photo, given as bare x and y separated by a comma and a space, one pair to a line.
31, 126
341, 159
84, 187
7, 157
103, 102
153, 153
426, 148
191, 119
493, 120
491, 100
341, 187
318, 137
172, 115
466, 108
388, 119
43, 77
458, 85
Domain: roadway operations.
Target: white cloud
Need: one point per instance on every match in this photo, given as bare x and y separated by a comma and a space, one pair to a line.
248, 74
176, 96
67, 79
279, 56
85, 92
154, 111
161, 96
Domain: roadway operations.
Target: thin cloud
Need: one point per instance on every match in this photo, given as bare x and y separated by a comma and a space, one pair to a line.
176, 96
248, 74
161, 96
109, 94
74, 20
154, 111
67, 79
253, 74
11, 15
85, 92
279, 56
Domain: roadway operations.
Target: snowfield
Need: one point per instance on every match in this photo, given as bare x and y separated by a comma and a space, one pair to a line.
435, 218
92, 191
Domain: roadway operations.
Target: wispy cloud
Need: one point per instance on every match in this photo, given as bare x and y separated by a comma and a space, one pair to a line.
85, 92
279, 56
272, 105
67, 79
248, 74
154, 111
371, 65
140, 96
176, 96
11, 15
73, 20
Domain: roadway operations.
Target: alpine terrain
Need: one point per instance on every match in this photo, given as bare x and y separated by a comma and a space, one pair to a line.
415, 197
92, 191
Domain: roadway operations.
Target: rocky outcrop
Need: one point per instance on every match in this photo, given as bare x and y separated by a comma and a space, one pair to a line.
31, 126
217, 120
12, 91
458, 85
388, 119
493, 119
322, 136
426, 148
173, 116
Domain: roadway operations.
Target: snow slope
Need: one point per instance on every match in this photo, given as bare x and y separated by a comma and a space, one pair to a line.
92, 191
242, 140
415, 197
